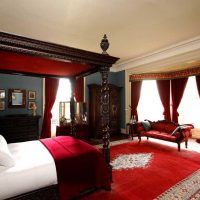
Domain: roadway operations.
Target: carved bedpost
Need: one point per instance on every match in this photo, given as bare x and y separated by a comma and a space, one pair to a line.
104, 109
72, 108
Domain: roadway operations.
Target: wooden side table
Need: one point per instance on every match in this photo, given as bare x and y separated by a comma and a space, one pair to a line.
82, 130
131, 129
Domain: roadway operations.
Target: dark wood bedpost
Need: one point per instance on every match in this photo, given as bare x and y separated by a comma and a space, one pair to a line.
72, 108
104, 109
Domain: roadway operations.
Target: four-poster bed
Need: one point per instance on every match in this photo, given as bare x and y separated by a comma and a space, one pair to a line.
24, 56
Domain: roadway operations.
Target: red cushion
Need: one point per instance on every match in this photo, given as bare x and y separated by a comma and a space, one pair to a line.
158, 126
169, 128
163, 127
160, 135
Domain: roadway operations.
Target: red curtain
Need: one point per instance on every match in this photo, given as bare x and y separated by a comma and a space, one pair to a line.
79, 90
198, 84
135, 96
178, 87
51, 86
164, 92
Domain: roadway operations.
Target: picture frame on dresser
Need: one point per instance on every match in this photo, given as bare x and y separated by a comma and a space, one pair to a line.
31, 95
2, 94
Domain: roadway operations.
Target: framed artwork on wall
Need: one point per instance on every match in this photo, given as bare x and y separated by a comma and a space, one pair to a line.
16, 98
2, 105
2, 94
31, 94
31, 104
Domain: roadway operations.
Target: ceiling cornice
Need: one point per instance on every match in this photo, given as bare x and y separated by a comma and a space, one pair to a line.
183, 47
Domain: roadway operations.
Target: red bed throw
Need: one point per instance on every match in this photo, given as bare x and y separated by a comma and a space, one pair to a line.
79, 166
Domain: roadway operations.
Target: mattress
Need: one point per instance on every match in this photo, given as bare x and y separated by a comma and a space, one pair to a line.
34, 168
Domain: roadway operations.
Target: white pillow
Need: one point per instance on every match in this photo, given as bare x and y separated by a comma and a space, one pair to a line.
6, 158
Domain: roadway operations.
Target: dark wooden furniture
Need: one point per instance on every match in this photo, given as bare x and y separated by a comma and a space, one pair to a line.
131, 129
19, 128
19, 55
82, 131
50, 192
95, 108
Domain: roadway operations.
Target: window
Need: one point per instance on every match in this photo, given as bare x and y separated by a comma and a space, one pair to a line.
190, 104
150, 106
63, 94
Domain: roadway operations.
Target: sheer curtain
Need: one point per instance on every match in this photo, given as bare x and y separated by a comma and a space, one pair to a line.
150, 106
190, 105
63, 94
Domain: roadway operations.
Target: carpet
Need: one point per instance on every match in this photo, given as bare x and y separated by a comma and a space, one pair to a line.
189, 188
148, 170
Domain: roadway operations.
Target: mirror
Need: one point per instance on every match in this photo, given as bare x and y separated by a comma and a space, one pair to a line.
80, 113
16, 98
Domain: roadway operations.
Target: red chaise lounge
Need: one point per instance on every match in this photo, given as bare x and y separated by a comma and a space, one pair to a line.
165, 130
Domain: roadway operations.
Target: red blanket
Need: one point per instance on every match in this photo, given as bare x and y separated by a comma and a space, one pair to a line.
79, 165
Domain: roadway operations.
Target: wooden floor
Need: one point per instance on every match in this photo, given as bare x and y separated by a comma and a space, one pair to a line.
95, 141
196, 133
192, 144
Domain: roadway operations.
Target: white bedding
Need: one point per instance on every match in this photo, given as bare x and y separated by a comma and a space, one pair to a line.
34, 168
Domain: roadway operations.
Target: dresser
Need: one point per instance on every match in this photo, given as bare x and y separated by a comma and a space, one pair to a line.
19, 128
94, 110
82, 131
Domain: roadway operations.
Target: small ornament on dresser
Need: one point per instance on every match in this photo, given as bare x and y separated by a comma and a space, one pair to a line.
63, 121
33, 107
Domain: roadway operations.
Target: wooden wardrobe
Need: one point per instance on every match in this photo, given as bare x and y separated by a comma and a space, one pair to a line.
94, 110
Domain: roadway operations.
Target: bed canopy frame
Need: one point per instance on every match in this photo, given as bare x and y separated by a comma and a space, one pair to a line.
25, 56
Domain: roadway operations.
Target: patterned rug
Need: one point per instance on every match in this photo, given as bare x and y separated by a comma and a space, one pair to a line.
128, 161
149, 170
189, 188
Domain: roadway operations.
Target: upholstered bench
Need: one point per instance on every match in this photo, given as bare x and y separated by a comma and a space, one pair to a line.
165, 130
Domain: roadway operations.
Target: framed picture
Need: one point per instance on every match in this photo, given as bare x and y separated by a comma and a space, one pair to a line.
16, 98
2, 94
2, 105
31, 104
31, 94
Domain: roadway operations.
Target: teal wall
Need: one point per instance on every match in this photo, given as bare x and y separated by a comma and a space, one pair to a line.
36, 84
22, 82
116, 78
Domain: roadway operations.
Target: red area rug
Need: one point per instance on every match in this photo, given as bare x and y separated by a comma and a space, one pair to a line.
163, 167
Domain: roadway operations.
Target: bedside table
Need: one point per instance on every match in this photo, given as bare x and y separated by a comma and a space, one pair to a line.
131, 129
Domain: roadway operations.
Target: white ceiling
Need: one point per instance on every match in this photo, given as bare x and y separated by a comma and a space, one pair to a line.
136, 29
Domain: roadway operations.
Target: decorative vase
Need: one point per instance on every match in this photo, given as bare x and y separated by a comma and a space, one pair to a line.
104, 44
34, 107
